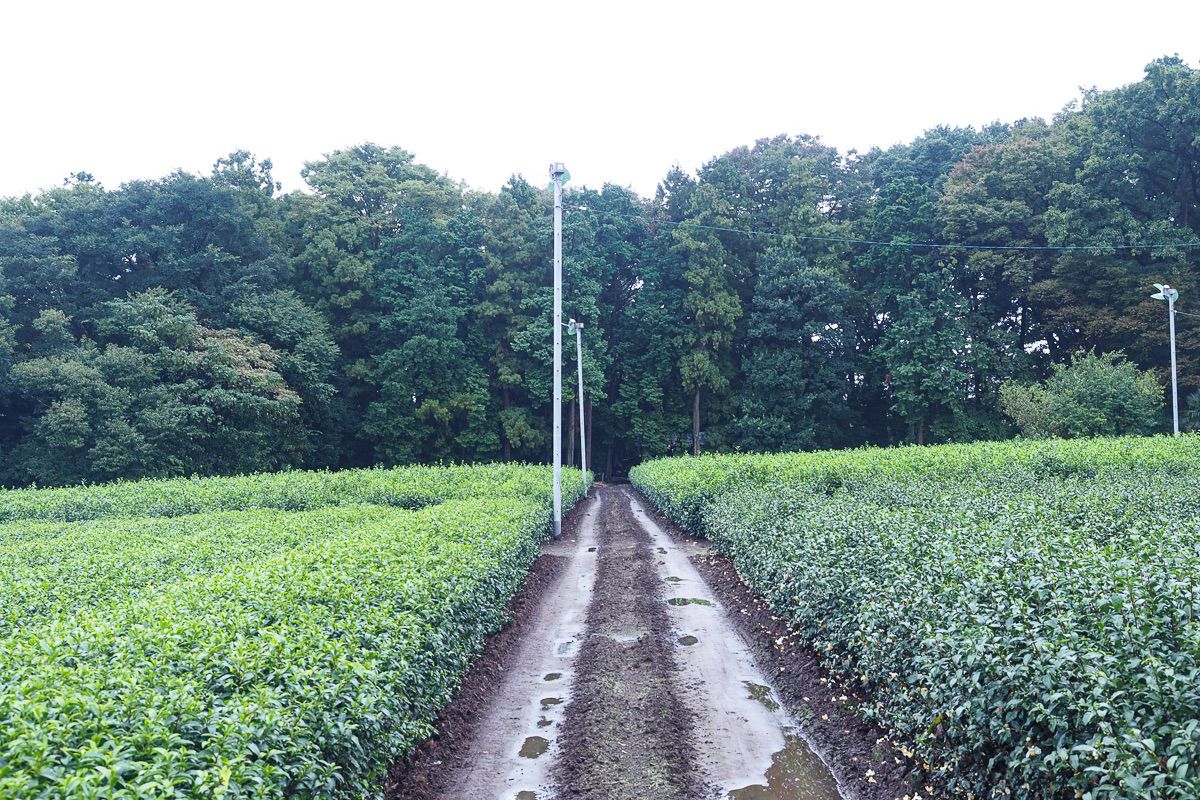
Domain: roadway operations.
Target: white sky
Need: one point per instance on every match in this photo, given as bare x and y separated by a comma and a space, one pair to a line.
617, 90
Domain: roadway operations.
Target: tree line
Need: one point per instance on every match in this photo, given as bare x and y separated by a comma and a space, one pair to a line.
784, 296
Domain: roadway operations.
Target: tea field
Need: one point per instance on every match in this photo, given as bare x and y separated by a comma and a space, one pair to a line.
261, 636
1025, 617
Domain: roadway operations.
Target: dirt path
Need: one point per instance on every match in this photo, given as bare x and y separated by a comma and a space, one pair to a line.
750, 746
627, 732
516, 735
626, 679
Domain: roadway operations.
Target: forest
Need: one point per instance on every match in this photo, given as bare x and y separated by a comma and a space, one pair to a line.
786, 296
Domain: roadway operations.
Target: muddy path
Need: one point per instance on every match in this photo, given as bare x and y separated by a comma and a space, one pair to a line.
498, 737
622, 676
750, 745
627, 731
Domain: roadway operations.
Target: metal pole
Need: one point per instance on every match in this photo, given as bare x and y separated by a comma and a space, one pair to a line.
1174, 380
578, 326
1170, 295
556, 172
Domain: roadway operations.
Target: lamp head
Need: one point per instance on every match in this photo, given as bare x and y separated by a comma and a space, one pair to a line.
1165, 292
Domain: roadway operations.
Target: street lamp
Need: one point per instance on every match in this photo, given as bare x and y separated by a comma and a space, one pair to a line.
1165, 292
558, 173
578, 328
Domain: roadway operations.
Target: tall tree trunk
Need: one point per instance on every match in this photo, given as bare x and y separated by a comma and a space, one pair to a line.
1181, 195
696, 422
587, 436
503, 433
571, 436
921, 431
608, 461
1023, 327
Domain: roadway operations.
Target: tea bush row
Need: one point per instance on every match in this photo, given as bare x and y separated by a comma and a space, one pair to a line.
300, 674
157, 642
1025, 616
51, 569
404, 487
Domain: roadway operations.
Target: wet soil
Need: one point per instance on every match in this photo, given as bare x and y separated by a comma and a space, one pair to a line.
629, 724
626, 732
427, 773
860, 754
749, 745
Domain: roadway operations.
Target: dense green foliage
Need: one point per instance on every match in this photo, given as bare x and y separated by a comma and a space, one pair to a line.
405, 487
210, 325
1091, 396
1025, 616
252, 653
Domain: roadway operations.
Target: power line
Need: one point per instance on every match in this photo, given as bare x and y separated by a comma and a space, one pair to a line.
1193, 245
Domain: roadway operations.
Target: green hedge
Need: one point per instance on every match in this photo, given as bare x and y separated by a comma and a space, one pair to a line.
1026, 616
51, 569
404, 487
259, 653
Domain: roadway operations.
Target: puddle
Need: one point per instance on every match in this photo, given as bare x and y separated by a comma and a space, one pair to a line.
662, 551
527, 795
544, 723
534, 746
591, 549
673, 578
762, 694
552, 676
564, 647
689, 601
688, 641
550, 701
796, 773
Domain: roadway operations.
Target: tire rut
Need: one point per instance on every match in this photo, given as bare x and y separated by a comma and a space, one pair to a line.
626, 733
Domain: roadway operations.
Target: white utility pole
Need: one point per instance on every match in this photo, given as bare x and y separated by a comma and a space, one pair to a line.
1171, 295
578, 328
557, 172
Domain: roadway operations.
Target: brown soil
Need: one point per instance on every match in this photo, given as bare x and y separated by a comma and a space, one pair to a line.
426, 772
859, 753
625, 732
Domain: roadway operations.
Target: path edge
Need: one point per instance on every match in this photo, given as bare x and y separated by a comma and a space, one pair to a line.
424, 773
862, 756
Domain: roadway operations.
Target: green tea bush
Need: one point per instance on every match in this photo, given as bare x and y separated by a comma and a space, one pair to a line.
262, 653
1025, 616
404, 487
52, 569
299, 675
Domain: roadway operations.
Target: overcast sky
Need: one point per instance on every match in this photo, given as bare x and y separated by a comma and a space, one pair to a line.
617, 90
